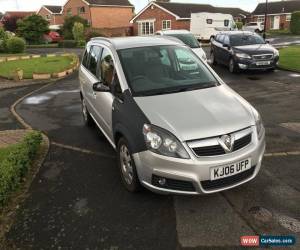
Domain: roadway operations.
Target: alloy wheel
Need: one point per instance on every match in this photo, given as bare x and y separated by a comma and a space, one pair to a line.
126, 164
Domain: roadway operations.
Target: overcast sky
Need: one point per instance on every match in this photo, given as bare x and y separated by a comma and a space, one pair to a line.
6, 5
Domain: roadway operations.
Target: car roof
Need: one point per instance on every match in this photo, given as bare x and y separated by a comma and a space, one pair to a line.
240, 32
171, 32
134, 42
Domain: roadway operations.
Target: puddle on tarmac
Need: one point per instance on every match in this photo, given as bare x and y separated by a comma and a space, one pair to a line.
294, 75
38, 99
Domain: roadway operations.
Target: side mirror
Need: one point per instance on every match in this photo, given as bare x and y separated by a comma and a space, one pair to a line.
100, 87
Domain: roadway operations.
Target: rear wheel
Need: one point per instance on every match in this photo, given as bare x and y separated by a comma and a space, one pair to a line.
88, 120
232, 66
127, 167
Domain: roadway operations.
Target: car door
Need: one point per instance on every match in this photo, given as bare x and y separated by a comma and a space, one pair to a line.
103, 101
225, 55
219, 47
89, 76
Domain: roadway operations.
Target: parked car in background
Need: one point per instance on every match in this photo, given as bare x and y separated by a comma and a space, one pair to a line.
52, 37
240, 50
187, 38
175, 129
254, 27
205, 26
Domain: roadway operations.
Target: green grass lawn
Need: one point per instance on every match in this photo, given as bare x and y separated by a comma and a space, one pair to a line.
36, 65
290, 58
4, 152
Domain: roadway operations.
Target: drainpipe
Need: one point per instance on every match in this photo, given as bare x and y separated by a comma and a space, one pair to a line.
266, 16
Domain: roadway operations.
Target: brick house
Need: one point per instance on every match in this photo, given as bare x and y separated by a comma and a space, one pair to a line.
53, 14
162, 15
107, 15
279, 13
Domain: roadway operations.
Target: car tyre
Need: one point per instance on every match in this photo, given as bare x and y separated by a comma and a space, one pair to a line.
212, 58
88, 120
232, 66
127, 167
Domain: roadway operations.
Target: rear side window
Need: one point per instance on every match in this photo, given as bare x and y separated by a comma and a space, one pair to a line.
209, 21
107, 67
95, 54
220, 38
86, 57
226, 40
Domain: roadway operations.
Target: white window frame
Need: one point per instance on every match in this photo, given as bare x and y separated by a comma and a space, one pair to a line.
166, 24
146, 27
80, 10
288, 17
48, 17
261, 19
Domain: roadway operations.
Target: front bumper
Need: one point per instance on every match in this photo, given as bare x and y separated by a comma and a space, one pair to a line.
195, 172
250, 64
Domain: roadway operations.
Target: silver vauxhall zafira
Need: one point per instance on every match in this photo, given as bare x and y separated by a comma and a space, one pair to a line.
175, 125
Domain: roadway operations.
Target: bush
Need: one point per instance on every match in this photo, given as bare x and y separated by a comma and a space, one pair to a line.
33, 28
69, 24
295, 23
90, 34
67, 44
78, 32
15, 45
239, 25
14, 166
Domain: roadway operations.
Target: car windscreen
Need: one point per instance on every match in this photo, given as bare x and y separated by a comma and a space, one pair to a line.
187, 39
243, 39
158, 70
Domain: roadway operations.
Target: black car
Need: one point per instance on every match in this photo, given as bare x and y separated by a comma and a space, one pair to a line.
241, 50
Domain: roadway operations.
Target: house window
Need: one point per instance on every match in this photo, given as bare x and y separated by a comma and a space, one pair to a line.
81, 10
48, 17
288, 17
146, 28
261, 19
166, 24
69, 12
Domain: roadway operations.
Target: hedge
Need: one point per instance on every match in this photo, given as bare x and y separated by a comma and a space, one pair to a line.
295, 23
16, 162
67, 44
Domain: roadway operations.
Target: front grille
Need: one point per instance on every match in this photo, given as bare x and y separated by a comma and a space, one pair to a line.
228, 181
218, 150
242, 142
174, 184
263, 57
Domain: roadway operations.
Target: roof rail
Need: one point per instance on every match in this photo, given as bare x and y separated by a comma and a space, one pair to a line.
101, 38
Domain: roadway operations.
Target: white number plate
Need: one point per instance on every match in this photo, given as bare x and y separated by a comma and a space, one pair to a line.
229, 170
263, 63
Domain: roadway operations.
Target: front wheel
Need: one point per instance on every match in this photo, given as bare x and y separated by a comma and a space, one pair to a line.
232, 66
127, 167
212, 58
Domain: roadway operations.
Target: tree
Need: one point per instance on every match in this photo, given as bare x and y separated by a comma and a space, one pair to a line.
10, 23
78, 33
32, 28
69, 24
295, 23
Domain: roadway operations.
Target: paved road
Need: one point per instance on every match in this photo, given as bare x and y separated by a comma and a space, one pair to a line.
77, 200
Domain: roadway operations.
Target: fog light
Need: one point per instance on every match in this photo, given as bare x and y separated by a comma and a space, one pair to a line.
243, 66
162, 181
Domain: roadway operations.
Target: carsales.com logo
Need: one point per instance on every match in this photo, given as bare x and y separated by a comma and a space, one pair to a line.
250, 241
267, 240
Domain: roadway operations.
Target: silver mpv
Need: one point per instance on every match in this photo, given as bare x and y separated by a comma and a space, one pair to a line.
176, 126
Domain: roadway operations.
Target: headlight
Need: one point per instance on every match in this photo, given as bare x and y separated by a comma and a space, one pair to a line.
243, 55
276, 53
163, 142
259, 126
